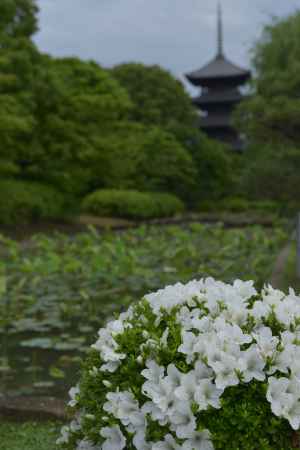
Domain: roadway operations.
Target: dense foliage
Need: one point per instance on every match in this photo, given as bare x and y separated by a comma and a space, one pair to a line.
199, 366
158, 98
131, 204
77, 109
78, 127
271, 117
242, 205
17, 19
25, 202
56, 291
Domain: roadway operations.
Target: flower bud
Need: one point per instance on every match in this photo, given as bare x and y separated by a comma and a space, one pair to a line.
140, 359
90, 416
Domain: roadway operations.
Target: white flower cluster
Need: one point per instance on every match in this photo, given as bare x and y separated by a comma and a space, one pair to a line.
230, 335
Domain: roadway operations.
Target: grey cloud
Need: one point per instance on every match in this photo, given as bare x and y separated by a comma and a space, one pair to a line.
180, 35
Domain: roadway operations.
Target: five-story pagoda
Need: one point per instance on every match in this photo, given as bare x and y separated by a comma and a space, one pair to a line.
220, 82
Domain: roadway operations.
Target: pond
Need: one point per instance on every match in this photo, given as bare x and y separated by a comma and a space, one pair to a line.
57, 291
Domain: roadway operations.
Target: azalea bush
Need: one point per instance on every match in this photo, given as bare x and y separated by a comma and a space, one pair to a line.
202, 366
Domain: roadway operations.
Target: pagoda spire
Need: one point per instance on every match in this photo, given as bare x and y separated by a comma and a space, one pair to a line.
220, 52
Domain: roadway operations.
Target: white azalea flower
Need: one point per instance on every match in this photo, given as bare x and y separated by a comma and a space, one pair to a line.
277, 395
174, 376
85, 444
292, 414
272, 296
184, 318
207, 394
64, 435
245, 289
225, 371
155, 412
111, 366
202, 372
287, 310
73, 393
251, 364
169, 443
162, 394
116, 327
266, 342
114, 438
153, 372
283, 359
260, 310
125, 407
75, 425
167, 298
228, 332
139, 441
200, 440
182, 420
202, 324
189, 340
186, 390
236, 313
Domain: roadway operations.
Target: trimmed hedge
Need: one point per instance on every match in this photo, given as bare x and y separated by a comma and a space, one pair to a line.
25, 201
131, 204
240, 205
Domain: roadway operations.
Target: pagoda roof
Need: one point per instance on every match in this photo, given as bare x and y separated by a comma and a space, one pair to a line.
221, 96
217, 69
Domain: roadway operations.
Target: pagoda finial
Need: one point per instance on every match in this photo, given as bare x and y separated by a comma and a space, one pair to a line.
220, 53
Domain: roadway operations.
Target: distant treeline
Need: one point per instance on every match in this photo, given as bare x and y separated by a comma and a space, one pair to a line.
69, 128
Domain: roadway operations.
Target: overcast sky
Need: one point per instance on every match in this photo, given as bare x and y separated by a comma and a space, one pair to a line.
180, 35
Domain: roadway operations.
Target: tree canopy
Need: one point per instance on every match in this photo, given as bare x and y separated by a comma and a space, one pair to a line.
158, 98
79, 127
18, 19
271, 116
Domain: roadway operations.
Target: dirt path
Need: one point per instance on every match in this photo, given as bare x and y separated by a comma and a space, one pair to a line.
280, 265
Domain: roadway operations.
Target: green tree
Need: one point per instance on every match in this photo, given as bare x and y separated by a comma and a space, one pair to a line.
213, 163
76, 107
19, 60
158, 98
271, 117
145, 158
161, 100
18, 19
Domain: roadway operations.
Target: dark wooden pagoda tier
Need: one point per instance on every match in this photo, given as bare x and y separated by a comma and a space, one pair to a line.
220, 81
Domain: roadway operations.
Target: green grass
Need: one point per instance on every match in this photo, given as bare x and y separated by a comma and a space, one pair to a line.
28, 436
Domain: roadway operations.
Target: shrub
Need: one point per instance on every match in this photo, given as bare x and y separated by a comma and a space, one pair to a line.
200, 366
167, 204
235, 204
23, 202
240, 205
131, 204
265, 206
209, 206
